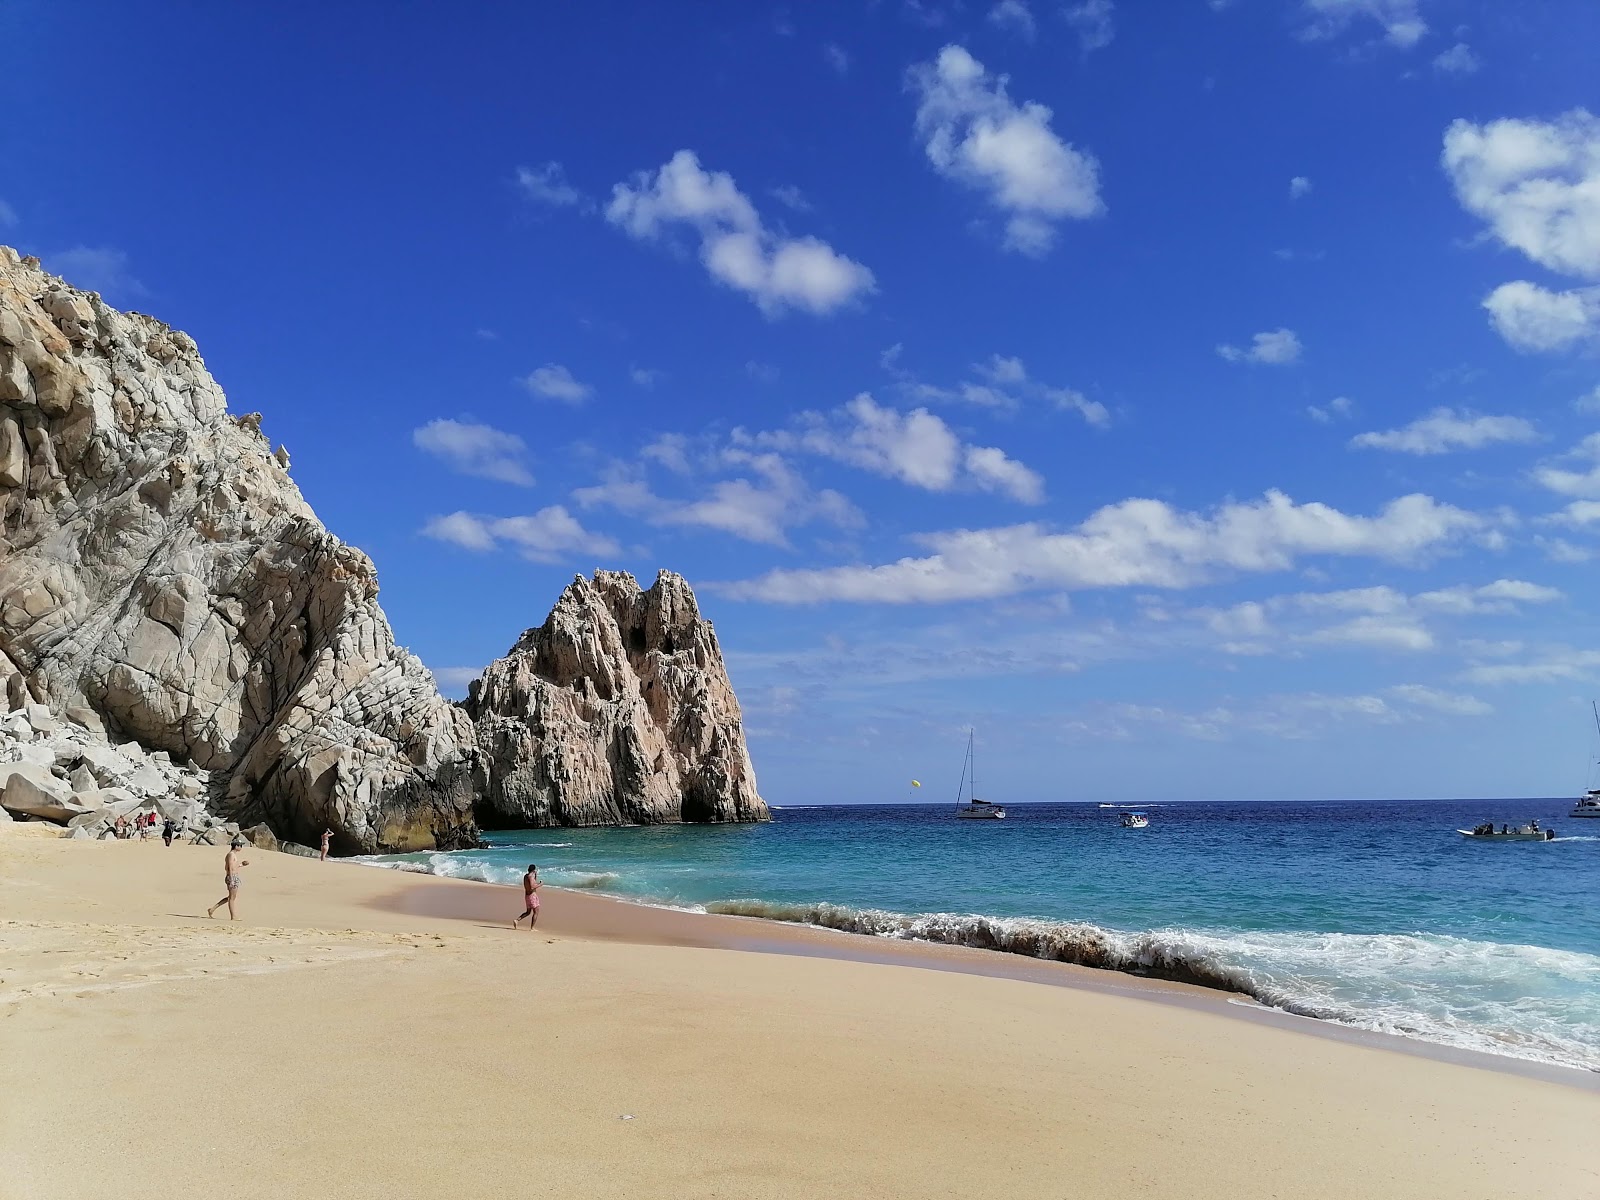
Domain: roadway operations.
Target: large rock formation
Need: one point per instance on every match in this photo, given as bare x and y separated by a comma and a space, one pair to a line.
616, 709
162, 581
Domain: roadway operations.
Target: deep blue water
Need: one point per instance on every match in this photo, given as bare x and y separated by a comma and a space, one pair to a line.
1375, 914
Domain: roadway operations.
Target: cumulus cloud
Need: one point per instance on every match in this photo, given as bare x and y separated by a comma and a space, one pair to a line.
474, 449
1580, 514
455, 679
1556, 666
1014, 17
8, 216
1382, 633
1340, 408
738, 250
1453, 704
917, 448
1458, 60
1446, 429
766, 499
1136, 542
1400, 20
1535, 318
836, 57
547, 184
548, 536
1583, 479
975, 134
1535, 183
1276, 347
554, 382
645, 377
1299, 186
1091, 21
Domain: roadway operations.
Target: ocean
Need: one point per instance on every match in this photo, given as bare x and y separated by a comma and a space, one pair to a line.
1376, 915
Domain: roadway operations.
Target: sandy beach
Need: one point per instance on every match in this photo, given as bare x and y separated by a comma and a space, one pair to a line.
372, 1033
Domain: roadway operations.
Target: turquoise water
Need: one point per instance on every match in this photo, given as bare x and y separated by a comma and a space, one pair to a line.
1377, 915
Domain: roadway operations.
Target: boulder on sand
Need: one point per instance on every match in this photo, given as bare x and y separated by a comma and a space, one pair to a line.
260, 837
31, 791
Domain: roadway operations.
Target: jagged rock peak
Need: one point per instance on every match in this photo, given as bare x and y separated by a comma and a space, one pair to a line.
617, 709
162, 581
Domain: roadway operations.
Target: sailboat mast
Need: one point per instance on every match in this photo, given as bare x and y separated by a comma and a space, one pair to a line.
972, 735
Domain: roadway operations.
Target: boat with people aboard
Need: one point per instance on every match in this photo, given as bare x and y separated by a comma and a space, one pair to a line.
1135, 820
974, 809
1530, 832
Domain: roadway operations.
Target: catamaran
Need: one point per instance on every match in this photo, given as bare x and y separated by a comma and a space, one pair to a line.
974, 809
1588, 804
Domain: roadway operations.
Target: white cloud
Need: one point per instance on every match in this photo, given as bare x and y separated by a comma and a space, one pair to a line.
1535, 318
1501, 596
473, 449
1013, 16
762, 372
8, 216
1340, 408
547, 536
1401, 21
1299, 186
645, 377
916, 447
1580, 514
1382, 633
1004, 380
1553, 667
774, 270
1536, 184
547, 184
1444, 430
973, 133
554, 382
837, 58
95, 269
1589, 402
769, 498
1276, 347
1568, 482
1136, 542
1091, 20
1452, 704
1458, 60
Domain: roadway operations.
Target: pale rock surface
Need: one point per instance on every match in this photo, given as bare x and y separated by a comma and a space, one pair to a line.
163, 583
617, 710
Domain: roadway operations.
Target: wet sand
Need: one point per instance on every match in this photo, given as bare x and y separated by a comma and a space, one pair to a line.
373, 1033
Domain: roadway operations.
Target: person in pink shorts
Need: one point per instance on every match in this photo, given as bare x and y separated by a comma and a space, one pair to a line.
530, 891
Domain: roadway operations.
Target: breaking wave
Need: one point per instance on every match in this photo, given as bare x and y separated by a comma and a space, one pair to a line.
1523, 1001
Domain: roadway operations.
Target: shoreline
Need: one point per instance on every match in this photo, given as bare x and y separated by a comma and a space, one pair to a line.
596, 915
386, 1034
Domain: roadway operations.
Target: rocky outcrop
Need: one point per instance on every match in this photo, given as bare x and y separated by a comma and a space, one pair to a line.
163, 583
616, 710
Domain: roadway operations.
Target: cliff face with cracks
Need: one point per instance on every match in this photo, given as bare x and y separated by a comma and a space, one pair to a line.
162, 580
616, 710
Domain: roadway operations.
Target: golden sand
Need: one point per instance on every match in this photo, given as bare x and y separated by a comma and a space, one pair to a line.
368, 1033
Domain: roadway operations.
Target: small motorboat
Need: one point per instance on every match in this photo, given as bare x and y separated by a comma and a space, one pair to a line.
1134, 820
1531, 832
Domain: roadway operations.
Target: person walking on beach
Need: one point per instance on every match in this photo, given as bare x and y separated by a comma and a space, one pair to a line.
231, 877
530, 892
169, 827
327, 836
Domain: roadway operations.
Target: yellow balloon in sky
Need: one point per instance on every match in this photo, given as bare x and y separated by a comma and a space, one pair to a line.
914, 783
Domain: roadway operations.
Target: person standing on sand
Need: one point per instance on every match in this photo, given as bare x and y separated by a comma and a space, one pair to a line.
530, 892
168, 828
231, 877
327, 836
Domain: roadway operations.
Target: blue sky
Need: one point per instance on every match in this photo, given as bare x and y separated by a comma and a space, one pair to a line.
1199, 398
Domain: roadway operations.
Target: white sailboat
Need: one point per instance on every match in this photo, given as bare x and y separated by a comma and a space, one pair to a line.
974, 809
1588, 804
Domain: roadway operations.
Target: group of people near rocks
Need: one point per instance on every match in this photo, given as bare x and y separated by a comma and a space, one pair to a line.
141, 826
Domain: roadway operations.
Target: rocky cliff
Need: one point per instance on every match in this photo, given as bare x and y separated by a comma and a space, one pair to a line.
617, 709
162, 581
